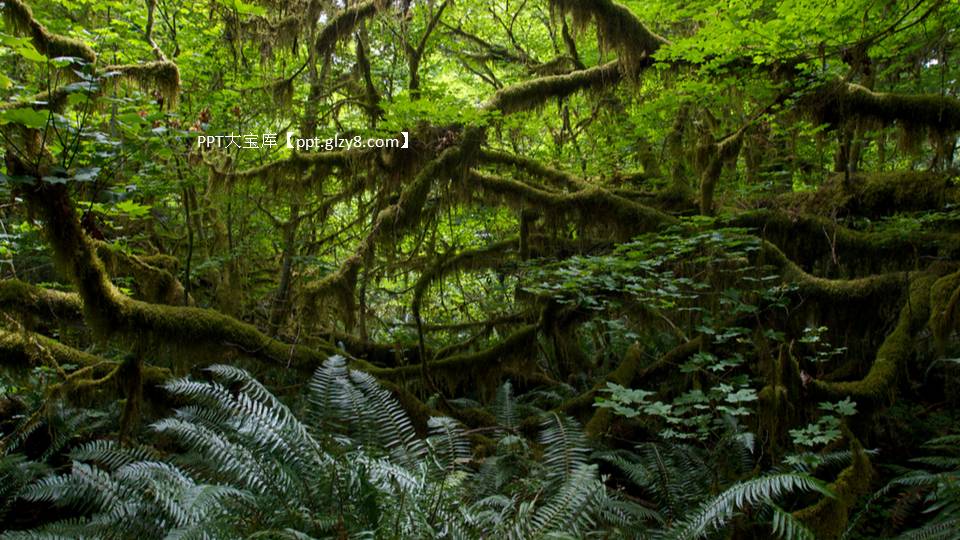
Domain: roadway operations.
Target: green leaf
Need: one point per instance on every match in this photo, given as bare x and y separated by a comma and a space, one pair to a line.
30, 118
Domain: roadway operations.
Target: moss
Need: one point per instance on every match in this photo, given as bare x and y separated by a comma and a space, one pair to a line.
838, 101
617, 27
24, 348
531, 94
20, 17
893, 354
109, 312
21, 297
828, 517
342, 25
594, 203
944, 304
164, 77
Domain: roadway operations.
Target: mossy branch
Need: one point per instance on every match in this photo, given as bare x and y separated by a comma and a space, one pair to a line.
893, 354
461, 366
296, 163
22, 349
833, 291
20, 297
20, 18
483, 257
594, 201
110, 312
838, 101
156, 283
617, 27
396, 218
343, 24
534, 93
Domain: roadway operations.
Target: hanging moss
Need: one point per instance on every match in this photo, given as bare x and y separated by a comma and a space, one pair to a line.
164, 77
618, 29
19, 17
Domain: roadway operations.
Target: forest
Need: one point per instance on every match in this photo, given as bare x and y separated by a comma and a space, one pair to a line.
520, 269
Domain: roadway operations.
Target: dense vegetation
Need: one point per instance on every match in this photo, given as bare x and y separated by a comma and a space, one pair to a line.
645, 269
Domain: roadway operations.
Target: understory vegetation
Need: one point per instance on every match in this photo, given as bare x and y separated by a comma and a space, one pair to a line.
638, 270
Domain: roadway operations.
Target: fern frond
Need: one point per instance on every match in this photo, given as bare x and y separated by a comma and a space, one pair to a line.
109, 455
750, 493
787, 527
938, 530
448, 445
565, 447
504, 406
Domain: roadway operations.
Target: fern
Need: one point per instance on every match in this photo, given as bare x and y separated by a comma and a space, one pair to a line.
714, 513
565, 447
